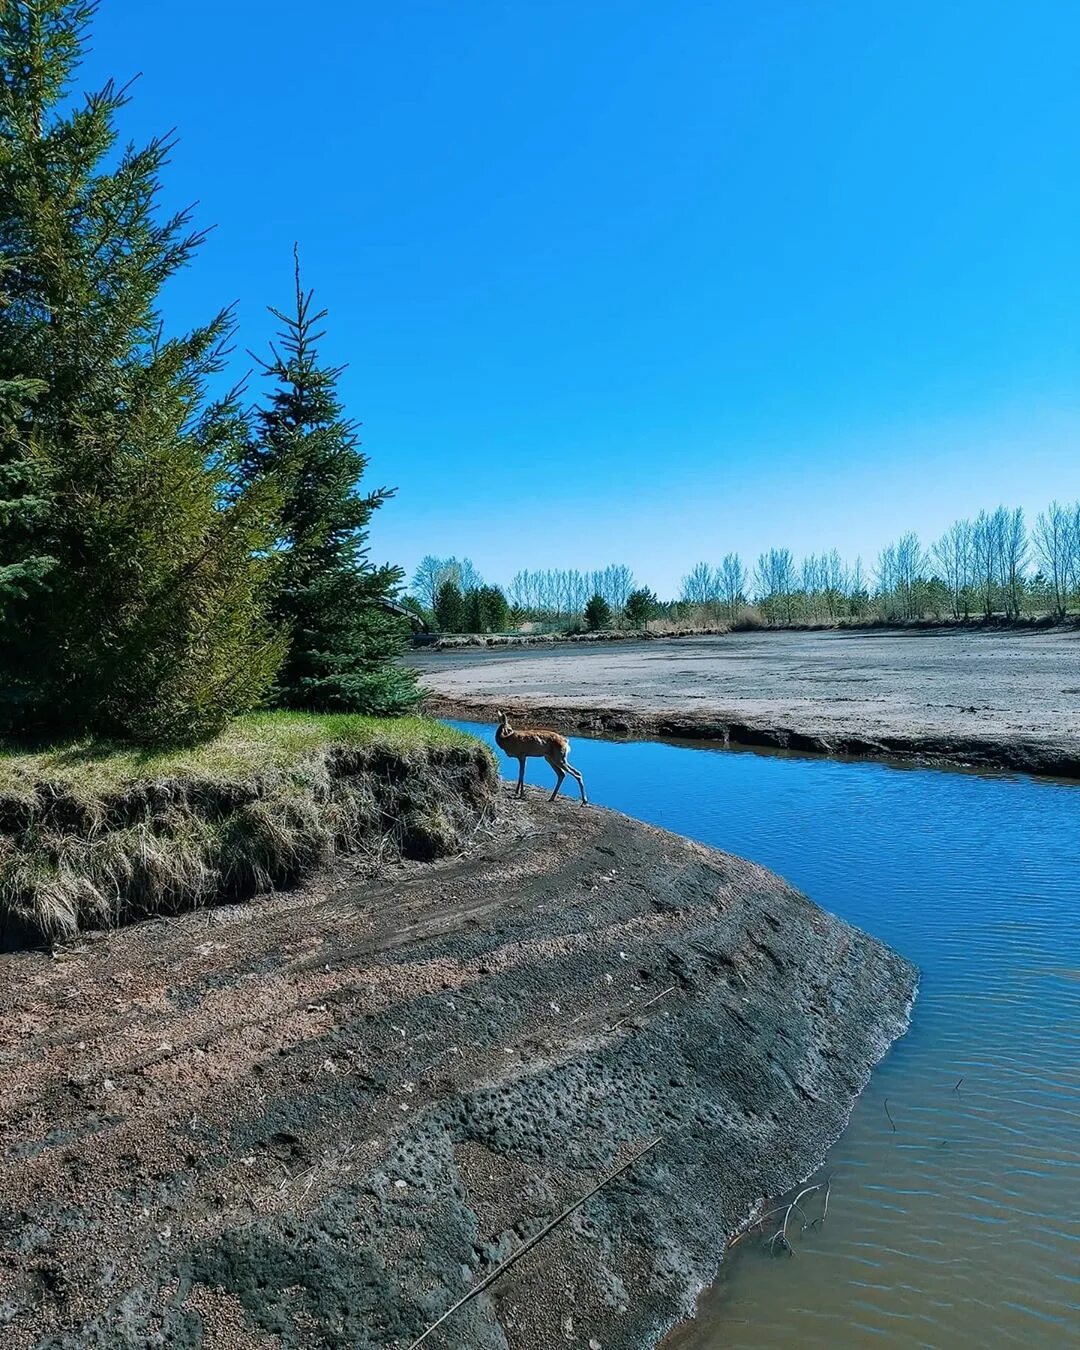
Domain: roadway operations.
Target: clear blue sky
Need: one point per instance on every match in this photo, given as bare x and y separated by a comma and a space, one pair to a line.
647, 282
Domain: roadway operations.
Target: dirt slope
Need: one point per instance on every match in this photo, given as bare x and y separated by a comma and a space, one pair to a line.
316, 1119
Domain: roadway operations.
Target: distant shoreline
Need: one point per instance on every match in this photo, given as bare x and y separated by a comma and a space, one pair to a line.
996, 623
985, 698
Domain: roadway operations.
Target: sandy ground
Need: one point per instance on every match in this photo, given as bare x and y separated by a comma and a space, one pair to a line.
1000, 698
318, 1119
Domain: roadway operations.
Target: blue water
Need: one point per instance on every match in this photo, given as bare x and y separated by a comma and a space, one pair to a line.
961, 1227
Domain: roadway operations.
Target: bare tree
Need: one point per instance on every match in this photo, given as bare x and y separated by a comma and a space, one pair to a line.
774, 582
733, 582
954, 555
984, 553
1012, 557
1052, 538
614, 583
432, 573
701, 585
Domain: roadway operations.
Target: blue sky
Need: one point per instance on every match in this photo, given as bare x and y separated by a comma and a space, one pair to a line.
647, 282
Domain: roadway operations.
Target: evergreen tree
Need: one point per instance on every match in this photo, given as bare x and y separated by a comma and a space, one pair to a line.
641, 606
23, 499
496, 610
449, 608
23, 502
597, 613
339, 611
473, 616
485, 610
150, 622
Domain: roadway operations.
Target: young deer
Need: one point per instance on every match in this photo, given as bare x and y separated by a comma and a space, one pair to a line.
534, 743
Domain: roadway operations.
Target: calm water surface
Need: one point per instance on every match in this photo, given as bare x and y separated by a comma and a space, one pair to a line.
962, 1226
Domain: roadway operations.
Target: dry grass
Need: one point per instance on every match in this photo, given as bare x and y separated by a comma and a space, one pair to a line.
93, 835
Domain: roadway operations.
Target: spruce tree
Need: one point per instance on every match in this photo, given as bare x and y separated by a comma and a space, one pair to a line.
23, 495
339, 611
641, 606
23, 503
484, 610
597, 613
150, 624
449, 608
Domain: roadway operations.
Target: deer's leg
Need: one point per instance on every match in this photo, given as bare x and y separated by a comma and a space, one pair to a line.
519, 791
580, 781
560, 766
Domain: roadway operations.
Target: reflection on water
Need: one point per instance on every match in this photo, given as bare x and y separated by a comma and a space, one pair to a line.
962, 1226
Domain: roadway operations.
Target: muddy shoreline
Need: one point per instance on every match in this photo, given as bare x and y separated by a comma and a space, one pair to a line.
317, 1119
1003, 700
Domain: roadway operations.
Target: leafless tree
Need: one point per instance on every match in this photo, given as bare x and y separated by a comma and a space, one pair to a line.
774, 583
733, 582
1012, 547
614, 583
984, 553
954, 555
427, 579
901, 577
1056, 538
701, 585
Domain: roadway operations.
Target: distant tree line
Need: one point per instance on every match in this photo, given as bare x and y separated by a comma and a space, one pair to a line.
987, 566
451, 596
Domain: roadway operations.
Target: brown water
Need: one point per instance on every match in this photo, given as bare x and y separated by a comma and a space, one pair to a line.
961, 1226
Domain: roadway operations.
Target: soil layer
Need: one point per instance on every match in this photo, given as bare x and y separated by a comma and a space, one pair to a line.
318, 1118
1000, 699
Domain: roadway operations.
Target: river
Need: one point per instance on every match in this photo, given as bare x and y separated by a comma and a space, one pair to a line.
954, 1209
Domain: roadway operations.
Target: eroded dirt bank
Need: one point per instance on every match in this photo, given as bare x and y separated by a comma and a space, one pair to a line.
990, 698
315, 1120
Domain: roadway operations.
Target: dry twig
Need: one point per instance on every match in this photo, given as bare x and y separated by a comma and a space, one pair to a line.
642, 1006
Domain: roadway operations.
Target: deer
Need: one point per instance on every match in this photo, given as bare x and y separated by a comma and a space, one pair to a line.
534, 742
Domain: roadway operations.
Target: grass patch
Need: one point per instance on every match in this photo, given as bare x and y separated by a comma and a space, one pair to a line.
259, 743
93, 835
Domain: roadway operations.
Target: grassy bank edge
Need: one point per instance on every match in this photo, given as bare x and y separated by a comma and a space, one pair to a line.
257, 744
92, 835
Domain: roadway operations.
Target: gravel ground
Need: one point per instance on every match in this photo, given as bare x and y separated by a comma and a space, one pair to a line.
986, 697
318, 1119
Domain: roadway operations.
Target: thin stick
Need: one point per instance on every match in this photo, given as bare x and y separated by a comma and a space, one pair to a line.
889, 1114
825, 1212
528, 1246
642, 1006
958, 1082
